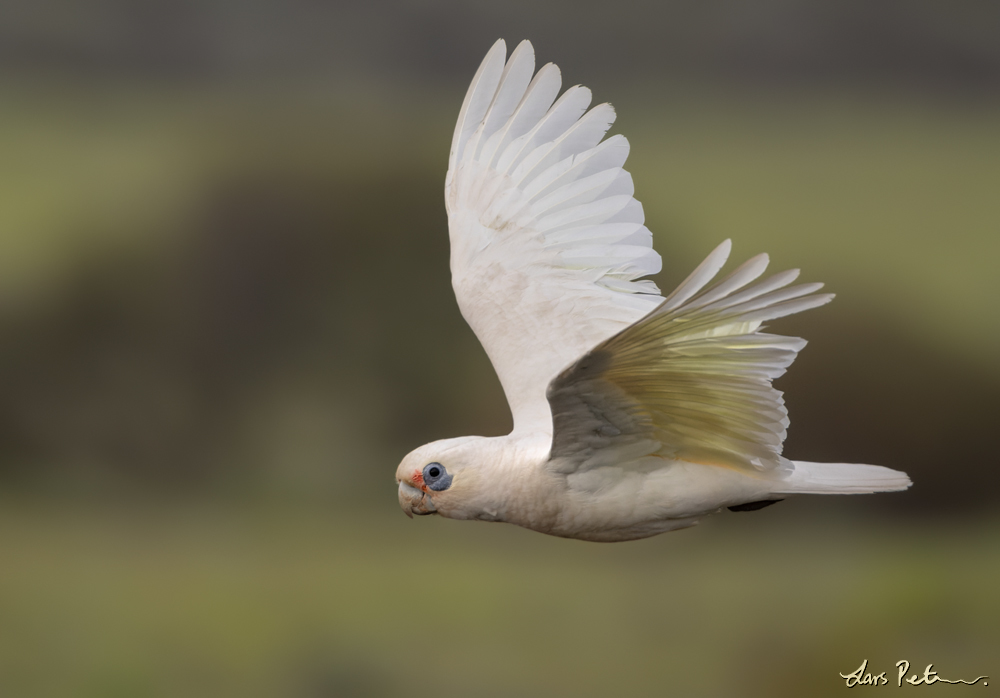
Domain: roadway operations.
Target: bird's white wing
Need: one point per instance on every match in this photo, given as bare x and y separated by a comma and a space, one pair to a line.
692, 380
547, 242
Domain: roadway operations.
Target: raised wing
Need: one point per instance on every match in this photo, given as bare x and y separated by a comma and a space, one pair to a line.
547, 242
691, 381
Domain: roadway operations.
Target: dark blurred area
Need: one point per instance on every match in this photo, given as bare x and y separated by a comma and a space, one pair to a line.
922, 44
224, 285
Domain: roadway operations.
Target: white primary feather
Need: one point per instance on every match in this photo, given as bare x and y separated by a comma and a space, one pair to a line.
478, 99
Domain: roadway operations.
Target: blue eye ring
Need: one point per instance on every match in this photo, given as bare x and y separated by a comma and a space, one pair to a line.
436, 477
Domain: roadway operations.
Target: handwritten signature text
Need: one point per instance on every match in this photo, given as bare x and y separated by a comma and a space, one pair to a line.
862, 677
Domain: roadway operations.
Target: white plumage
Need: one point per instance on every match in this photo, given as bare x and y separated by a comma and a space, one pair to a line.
634, 414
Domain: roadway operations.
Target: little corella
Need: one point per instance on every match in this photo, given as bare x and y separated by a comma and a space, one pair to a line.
634, 413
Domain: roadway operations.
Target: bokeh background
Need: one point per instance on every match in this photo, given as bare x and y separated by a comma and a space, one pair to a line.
225, 315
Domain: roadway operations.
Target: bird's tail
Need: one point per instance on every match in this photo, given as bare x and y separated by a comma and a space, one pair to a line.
842, 478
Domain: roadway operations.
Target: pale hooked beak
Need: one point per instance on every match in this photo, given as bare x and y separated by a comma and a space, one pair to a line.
413, 501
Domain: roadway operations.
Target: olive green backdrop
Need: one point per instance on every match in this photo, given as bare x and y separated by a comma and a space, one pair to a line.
225, 315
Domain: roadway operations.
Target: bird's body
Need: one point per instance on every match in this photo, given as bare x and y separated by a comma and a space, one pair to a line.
605, 504
634, 414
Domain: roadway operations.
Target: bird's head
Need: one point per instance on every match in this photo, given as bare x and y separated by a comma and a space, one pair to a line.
443, 477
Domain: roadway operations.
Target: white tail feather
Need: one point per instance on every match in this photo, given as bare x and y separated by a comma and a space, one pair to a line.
842, 478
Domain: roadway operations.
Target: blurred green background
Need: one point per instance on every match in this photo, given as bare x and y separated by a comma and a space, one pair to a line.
225, 315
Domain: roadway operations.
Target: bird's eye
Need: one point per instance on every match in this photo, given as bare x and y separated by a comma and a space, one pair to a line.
436, 477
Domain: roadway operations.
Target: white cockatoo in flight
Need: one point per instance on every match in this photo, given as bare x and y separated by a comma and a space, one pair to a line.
634, 413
